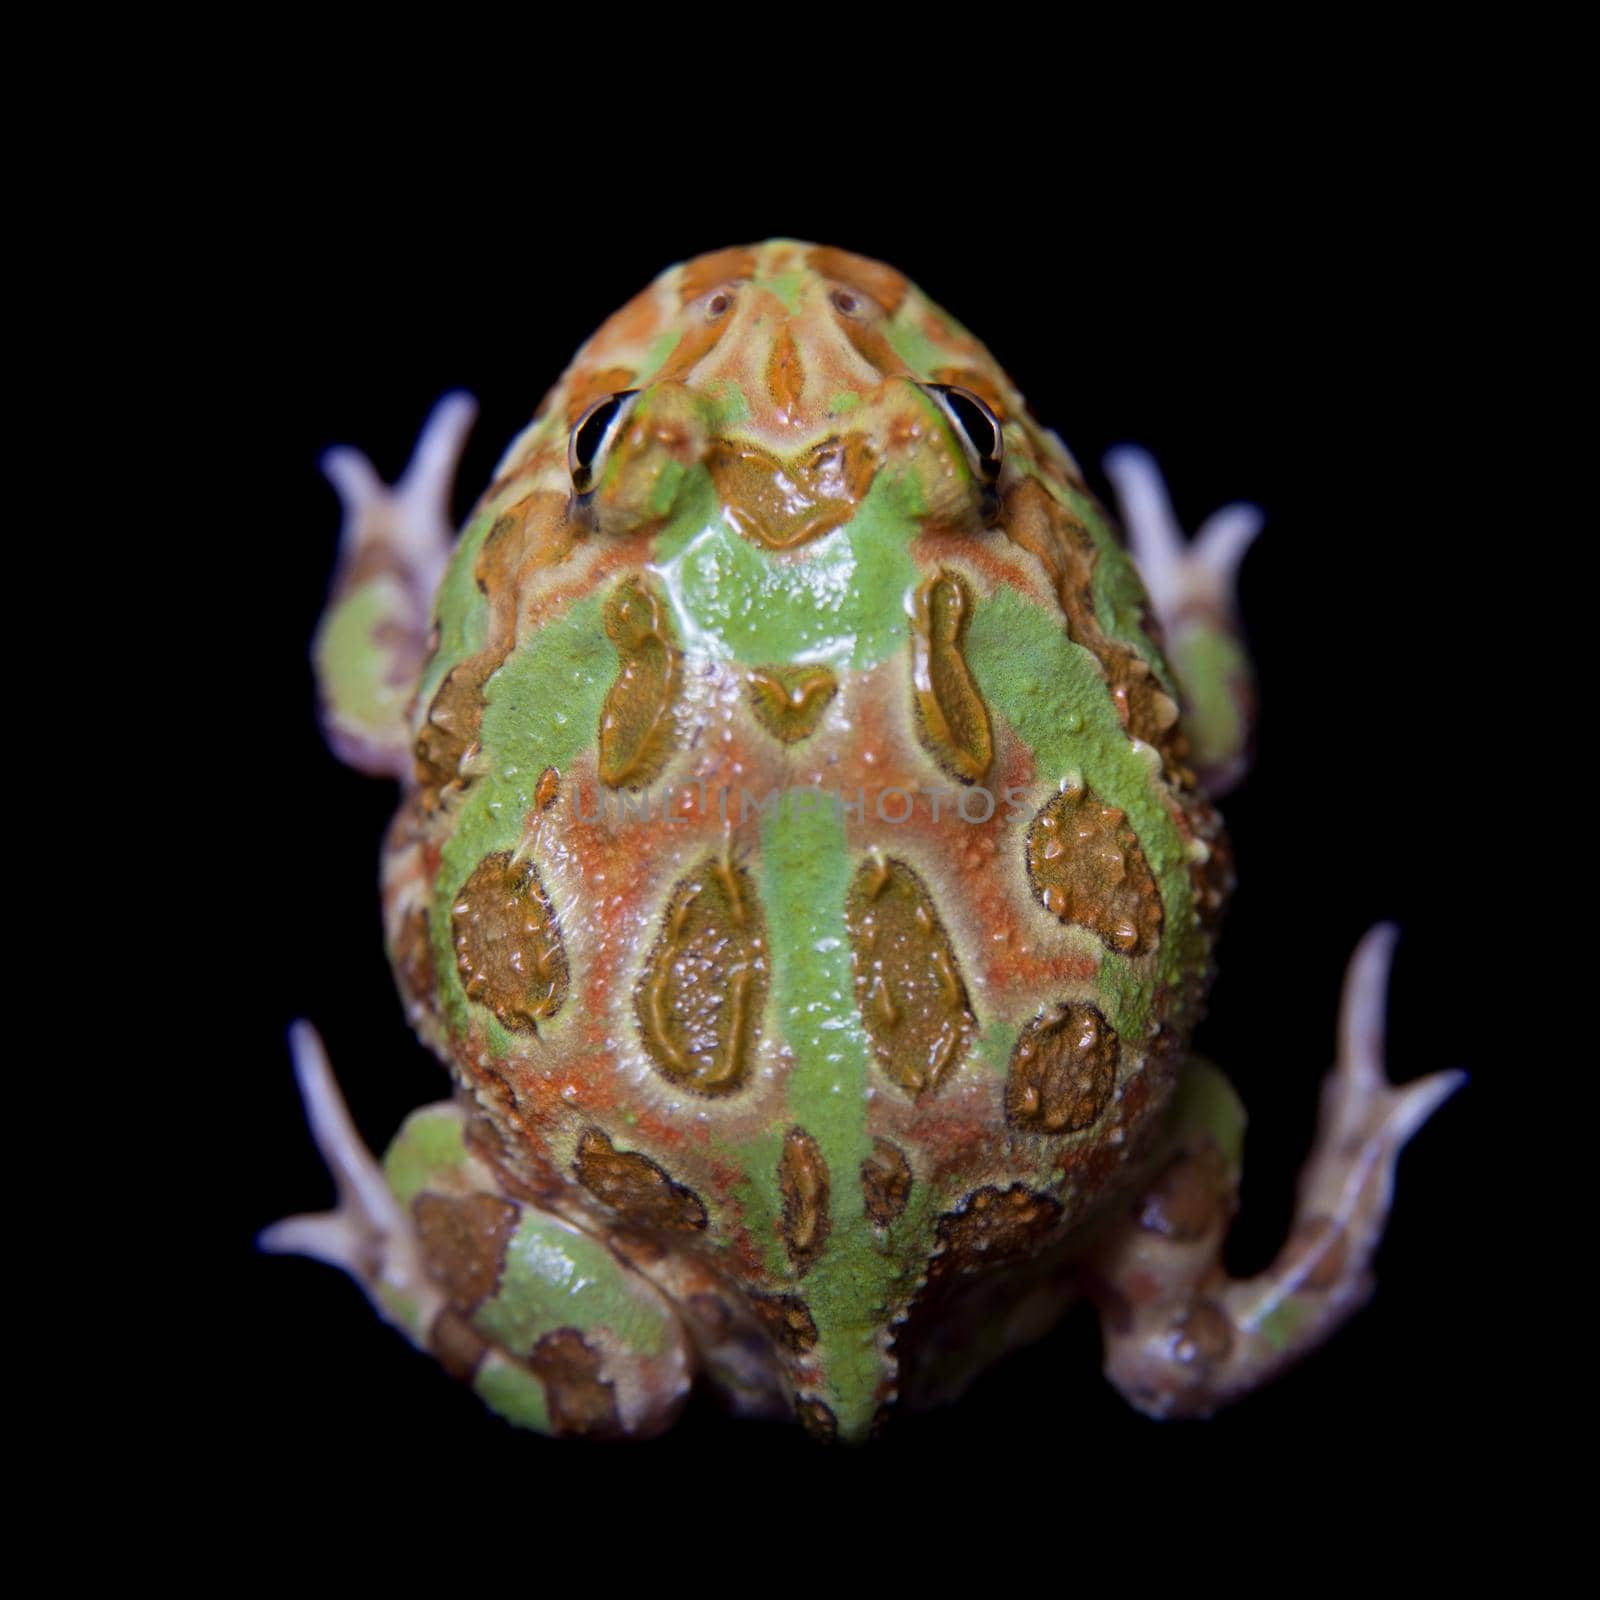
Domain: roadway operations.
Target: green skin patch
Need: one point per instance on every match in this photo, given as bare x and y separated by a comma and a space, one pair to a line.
460, 609
556, 1277
543, 703
1212, 665
840, 603
914, 347
805, 876
428, 1145
354, 666
1053, 693
513, 1393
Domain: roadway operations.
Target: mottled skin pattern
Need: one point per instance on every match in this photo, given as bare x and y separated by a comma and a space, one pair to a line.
826, 1106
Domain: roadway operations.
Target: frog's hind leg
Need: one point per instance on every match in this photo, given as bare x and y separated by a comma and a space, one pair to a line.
1182, 1338
373, 637
542, 1319
1192, 587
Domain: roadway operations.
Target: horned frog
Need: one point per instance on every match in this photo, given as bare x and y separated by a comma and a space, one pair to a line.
805, 869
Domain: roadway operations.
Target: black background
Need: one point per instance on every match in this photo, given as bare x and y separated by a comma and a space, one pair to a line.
1283, 330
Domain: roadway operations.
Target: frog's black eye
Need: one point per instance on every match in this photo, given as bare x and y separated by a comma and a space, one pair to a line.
592, 435
846, 303
718, 305
976, 426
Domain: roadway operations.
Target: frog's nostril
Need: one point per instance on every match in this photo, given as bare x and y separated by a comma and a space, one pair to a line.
592, 435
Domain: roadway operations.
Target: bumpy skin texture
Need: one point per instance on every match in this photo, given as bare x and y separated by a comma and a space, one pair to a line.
840, 1105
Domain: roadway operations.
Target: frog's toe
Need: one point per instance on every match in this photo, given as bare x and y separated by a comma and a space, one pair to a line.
393, 549
1363, 1124
1183, 1338
1192, 586
366, 1225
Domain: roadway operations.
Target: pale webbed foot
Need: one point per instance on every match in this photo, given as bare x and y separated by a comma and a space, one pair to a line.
1192, 586
548, 1325
1182, 1338
373, 637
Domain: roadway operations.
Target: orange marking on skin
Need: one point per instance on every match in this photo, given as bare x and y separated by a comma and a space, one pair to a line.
587, 387
994, 563
707, 272
986, 385
663, 1133
873, 346
874, 279
786, 375
698, 341
937, 331
615, 557
633, 326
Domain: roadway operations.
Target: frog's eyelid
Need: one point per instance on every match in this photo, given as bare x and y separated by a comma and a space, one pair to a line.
592, 434
975, 425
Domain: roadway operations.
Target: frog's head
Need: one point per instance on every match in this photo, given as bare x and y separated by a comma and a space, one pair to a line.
794, 375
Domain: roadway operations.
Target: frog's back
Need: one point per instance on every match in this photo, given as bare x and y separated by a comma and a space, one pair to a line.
803, 873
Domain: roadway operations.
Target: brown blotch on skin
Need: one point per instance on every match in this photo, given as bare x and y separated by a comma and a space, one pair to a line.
818, 1420
581, 1401
636, 1187
908, 988
527, 1177
879, 282
979, 383
458, 1346
508, 946
1320, 1241
1087, 869
1035, 520
1203, 1335
789, 700
463, 1239
412, 958
708, 272
451, 728
700, 999
1189, 1197
994, 1226
803, 1183
636, 719
535, 532
1063, 1069
952, 720
788, 1321
592, 386
885, 1182
784, 504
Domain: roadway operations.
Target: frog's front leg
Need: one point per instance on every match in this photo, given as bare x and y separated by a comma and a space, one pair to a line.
545, 1322
1182, 1338
1192, 586
373, 637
